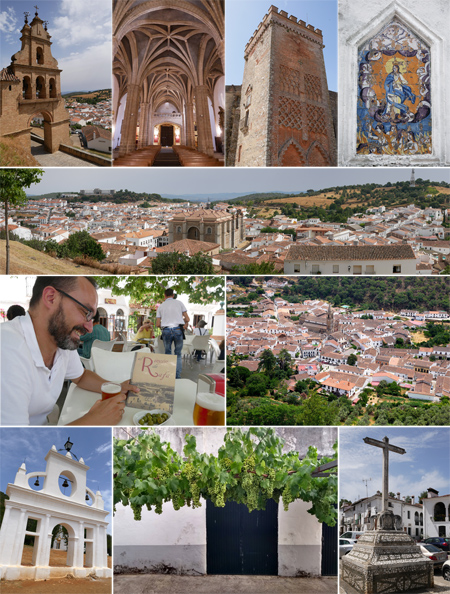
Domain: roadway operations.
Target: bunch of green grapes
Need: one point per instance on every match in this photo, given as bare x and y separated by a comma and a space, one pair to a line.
162, 473
192, 475
271, 478
217, 494
137, 509
250, 482
287, 497
177, 499
226, 463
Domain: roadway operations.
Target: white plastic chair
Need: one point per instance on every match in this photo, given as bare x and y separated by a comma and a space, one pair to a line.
115, 367
201, 343
87, 363
105, 345
214, 348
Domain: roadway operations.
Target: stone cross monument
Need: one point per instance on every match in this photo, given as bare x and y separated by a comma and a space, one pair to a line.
386, 517
385, 560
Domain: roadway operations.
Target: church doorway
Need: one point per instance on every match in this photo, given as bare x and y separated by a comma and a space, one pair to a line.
40, 124
193, 233
166, 135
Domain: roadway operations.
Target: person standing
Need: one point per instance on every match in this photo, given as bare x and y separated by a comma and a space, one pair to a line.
99, 332
172, 318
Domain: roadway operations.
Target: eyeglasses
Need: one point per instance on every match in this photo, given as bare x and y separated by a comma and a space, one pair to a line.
89, 313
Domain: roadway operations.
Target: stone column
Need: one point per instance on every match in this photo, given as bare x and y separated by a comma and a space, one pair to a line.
190, 131
143, 126
129, 123
205, 144
183, 126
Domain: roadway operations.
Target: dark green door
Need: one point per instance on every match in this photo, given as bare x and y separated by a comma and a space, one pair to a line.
240, 542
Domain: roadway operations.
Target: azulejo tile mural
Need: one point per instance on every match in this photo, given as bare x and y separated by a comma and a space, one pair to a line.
394, 103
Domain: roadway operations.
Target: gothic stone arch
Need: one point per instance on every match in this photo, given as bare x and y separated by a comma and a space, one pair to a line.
391, 93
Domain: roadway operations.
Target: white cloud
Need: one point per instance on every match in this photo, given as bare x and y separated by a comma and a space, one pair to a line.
104, 447
82, 22
8, 25
8, 20
87, 71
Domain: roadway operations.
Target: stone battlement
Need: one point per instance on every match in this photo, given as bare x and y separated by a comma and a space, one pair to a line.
292, 20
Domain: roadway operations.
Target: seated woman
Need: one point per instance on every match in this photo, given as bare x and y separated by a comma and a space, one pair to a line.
145, 332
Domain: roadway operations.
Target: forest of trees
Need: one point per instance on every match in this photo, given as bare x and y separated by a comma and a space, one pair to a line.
407, 292
262, 398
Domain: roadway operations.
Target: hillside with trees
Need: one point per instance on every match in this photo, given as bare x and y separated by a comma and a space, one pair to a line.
338, 203
406, 292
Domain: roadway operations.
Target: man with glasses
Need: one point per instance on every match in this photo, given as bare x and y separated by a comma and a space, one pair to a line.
39, 352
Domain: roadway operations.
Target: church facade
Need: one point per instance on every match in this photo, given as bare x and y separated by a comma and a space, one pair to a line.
221, 227
31, 86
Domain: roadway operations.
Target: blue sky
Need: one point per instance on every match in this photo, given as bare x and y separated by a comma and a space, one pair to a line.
211, 180
425, 464
81, 37
32, 444
243, 17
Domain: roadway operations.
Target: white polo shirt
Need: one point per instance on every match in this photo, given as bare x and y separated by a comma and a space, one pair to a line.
171, 313
28, 389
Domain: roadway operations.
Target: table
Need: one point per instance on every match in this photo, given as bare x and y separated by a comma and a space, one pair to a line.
78, 402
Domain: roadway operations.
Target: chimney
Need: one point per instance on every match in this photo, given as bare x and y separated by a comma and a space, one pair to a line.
412, 499
398, 495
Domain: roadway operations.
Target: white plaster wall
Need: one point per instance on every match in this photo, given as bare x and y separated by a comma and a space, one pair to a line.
431, 21
299, 540
183, 527
381, 267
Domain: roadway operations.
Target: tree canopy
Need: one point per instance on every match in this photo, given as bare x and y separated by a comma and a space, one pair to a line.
179, 263
12, 193
149, 290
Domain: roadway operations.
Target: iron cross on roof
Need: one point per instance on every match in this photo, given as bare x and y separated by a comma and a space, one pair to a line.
386, 447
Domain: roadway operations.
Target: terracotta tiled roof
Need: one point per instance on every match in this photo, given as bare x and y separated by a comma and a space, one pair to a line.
350, 252
189, 245
8, 75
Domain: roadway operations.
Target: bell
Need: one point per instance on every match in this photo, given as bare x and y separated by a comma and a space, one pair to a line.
65, 483
87, 497
36, 483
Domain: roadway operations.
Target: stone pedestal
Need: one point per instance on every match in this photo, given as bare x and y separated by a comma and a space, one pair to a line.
383, 562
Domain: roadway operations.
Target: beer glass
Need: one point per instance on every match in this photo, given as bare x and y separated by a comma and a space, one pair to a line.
110, 389
209, 409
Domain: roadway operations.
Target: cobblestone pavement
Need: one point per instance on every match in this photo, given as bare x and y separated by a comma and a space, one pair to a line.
221, 584
58, 159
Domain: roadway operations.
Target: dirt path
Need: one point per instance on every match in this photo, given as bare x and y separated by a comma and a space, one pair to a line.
58, 586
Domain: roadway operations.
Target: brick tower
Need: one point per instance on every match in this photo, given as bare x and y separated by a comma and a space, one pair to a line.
31, 86
285, 115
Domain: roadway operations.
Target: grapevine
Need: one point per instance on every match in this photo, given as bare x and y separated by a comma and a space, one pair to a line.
250, 468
